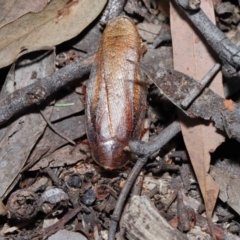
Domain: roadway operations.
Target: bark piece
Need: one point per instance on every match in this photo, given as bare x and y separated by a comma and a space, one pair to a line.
183, 214
229, 187
229, 164
162, 56
176, 86
224, 8
230, 236
143, 222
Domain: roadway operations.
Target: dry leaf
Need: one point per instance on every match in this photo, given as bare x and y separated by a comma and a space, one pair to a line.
229, 187
61, 20
67, 155
73, 128
18, 138
12, 9
193, 58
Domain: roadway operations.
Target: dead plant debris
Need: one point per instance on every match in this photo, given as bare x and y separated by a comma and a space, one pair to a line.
182, 179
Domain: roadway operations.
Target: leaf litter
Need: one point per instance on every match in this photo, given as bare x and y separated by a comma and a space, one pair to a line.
46, 28
192, 57
53, 165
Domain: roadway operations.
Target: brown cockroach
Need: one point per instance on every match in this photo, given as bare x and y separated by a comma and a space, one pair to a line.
116, 94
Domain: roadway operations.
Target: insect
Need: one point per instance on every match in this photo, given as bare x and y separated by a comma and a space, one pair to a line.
115, 98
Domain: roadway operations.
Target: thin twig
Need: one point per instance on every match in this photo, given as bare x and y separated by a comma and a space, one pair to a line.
123, 196
147, 149
144, 150
112, 10
132, 7
35, 159
60, 224
227, 51
195, 92
62, 135
39, 91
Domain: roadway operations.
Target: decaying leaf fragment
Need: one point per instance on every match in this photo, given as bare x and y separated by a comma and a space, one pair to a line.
192, 57
176, 86
229, 187
26, 129
61, 20
209, 105
13, 9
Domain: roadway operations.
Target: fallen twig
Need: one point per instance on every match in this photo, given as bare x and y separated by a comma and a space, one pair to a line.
56, 131
195, 92
209, 105
39, 91
147, 149
226, 50
133, 7
143, 150
60, 224
112, 10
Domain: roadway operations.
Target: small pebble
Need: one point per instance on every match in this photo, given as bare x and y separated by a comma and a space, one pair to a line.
89, 197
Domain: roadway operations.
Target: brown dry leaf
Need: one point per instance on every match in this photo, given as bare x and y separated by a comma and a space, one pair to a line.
73, 128
12, 9
61, 20
64, 156
192, 57
19, 137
